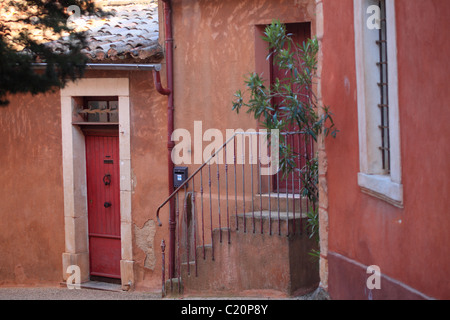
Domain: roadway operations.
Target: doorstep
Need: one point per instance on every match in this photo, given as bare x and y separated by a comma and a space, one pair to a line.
98, 285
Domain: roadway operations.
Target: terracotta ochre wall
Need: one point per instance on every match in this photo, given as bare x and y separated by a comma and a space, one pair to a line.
409, 244
31, 196
32, 236
214, 52
217, 44
149, 177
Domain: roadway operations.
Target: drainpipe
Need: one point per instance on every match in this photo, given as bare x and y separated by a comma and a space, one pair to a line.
158, 85
170, 124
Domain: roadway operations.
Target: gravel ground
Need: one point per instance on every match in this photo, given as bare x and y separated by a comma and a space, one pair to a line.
62, 293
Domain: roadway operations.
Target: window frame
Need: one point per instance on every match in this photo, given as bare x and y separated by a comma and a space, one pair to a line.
371, 178
107, 99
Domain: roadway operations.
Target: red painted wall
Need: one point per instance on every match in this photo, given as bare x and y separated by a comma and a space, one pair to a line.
410, 245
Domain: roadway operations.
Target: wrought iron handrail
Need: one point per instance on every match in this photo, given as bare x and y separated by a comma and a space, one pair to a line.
277, 212
191, 177
207, 161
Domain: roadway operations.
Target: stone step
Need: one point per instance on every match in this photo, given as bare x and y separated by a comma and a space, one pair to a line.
285, 202
270, 222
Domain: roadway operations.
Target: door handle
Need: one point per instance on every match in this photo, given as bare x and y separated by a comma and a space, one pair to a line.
107, 179
107, 204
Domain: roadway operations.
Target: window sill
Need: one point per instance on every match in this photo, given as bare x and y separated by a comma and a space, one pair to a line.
382, 187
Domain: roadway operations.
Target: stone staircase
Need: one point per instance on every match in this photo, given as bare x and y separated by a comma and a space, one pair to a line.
270, 256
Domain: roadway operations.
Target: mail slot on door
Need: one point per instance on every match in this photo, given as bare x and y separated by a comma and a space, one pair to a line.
180, 174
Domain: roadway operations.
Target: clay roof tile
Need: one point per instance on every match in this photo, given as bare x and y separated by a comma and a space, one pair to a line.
129, 35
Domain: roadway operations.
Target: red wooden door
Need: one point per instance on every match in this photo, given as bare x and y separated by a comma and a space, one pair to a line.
300, 32
102, 168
